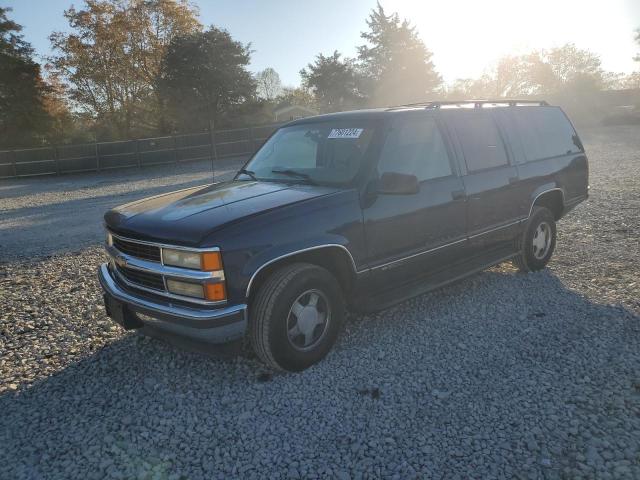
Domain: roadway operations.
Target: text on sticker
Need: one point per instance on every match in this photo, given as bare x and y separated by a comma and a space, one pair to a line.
346, 133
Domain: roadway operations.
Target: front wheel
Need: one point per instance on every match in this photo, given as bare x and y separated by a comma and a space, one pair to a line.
538, 241
296, 316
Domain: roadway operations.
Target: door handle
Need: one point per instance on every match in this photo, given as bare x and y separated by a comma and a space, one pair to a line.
459, 195
513, 180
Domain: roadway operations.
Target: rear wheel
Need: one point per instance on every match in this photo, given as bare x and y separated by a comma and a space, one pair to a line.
538, 241
296, 316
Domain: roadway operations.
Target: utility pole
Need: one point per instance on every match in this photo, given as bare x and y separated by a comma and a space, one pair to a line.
97, 152
214, 151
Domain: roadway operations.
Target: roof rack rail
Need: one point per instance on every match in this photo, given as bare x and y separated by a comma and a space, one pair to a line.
475, 103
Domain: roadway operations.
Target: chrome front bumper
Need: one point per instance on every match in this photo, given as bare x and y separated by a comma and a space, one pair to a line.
213, 325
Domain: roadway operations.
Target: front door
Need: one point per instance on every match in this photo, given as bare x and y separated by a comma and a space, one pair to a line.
409, 235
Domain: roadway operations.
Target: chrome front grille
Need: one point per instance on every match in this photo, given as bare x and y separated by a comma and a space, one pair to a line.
135, 249
138, 264
144, 279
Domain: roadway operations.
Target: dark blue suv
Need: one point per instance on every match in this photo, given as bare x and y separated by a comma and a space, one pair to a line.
354, 210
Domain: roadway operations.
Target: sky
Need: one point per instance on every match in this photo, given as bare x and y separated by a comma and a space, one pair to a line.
465, 36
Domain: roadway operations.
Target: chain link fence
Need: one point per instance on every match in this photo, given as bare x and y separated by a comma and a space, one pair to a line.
100, 156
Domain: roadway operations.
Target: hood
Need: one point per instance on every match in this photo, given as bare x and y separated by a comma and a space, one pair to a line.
185, 217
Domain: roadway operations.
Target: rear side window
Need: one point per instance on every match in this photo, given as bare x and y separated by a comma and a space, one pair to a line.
479, 138
414, 146
544, 132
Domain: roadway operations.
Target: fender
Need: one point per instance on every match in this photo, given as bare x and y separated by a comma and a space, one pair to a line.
271, 256
538, 192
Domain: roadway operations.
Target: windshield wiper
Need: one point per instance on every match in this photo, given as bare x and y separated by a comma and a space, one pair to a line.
249, 173
293, 173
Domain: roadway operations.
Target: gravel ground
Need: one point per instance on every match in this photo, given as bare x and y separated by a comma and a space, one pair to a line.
498, 376
70, 207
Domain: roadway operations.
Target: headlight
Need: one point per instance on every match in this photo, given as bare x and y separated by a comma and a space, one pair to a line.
209, 291
180, 258
207, 261
185, 288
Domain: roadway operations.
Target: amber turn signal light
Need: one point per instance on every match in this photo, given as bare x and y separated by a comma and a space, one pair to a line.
211, 261
215, 292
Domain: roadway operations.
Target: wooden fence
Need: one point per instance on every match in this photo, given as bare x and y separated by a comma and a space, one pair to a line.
131, 153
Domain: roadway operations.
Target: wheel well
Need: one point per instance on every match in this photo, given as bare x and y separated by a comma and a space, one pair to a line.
334, 259
553, 200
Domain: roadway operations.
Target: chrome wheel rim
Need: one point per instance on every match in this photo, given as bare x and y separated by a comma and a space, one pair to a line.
541, 240
308, 319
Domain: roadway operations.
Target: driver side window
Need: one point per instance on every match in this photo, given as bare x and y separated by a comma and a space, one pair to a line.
415, 147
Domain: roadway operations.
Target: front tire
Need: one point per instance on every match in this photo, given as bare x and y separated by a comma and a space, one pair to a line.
296, 317
538, 241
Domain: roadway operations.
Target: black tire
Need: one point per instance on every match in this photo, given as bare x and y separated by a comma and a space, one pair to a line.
531, 257
270, 316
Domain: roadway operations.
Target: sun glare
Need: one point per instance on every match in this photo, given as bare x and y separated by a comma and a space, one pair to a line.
466, 37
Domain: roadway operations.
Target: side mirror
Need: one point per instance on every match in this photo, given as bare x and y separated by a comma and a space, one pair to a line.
398, 184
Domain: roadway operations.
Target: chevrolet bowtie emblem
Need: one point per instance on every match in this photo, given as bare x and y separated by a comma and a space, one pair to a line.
121, 261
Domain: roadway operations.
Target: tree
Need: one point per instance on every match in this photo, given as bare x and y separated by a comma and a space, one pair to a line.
637, 39
522, 75
297, 96
204, 76
62, 124
268, 84
471, 88
566, 70
112, 58
23, 116
631, 81
334, 82
396, 64
572, 68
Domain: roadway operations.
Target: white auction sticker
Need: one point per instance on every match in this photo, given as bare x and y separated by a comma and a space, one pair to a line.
346, 133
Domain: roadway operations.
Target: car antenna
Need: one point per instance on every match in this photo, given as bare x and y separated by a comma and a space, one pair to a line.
214, 150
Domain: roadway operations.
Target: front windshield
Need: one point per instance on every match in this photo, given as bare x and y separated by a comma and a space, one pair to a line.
323, 152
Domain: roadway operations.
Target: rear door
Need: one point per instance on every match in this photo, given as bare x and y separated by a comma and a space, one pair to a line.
548, 152
411, 235
490, 179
